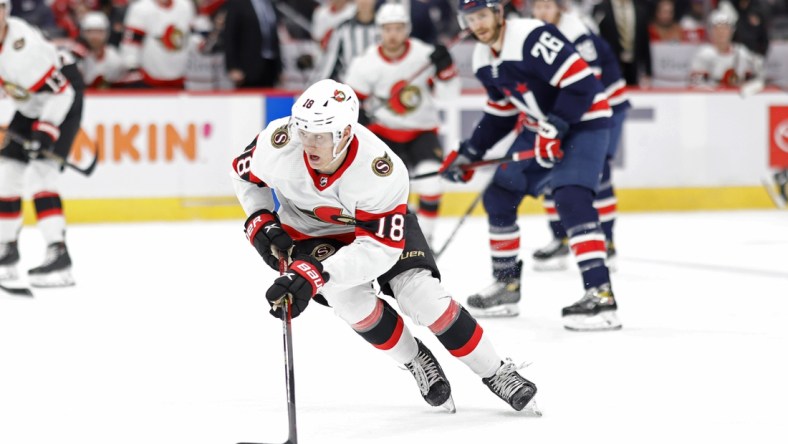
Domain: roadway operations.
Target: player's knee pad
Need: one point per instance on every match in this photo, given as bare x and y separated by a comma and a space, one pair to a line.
501, 205
430, 185
12, 173
44, 175
420, 295
353, 304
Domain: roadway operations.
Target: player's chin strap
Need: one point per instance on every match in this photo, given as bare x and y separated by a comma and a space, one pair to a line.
336, 155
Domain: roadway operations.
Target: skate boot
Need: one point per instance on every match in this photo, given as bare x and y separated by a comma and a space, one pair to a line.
434, 386
553, 256
9, 257
611, 262
499, 299
56, 269
508, 385
595, 311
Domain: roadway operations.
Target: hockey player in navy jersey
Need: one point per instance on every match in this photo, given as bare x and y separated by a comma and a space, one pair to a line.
527, 66
604, 64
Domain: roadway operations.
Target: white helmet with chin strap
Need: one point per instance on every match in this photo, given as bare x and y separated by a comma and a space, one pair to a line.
327, 107
391, 13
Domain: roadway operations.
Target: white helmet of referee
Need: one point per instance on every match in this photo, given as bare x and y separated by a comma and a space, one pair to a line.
391, 13
327, 107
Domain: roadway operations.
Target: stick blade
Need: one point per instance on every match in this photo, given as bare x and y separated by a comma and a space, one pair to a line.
17, 291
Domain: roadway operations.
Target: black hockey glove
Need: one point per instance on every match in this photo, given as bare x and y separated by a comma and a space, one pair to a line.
302, 281
267, 236
444, 66
38, 143
451, 169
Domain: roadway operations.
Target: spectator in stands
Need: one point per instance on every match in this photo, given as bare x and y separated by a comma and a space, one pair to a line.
101, 64
156, 42
693, 23
37, 13
722, 63
253, 56
751, 27
624, 25
348, 40
328, 16
664, 27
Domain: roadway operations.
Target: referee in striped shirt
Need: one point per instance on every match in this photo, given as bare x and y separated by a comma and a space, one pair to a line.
347, 41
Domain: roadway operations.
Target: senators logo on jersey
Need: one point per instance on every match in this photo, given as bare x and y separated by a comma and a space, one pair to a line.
173, 38
331, 215
382, 166
280, 137
323, 251
16, 92
19, 44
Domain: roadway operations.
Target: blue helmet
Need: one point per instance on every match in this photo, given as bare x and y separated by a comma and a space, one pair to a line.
468, 6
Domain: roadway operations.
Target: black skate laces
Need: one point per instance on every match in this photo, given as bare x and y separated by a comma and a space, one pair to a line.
425, 371
507, 381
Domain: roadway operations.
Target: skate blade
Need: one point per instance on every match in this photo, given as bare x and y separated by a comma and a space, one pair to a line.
499, 311
531, 409
449, 405
558, 264
605, 321
8, 273
61, 278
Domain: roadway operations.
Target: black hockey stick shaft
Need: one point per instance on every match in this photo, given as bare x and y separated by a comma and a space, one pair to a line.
287, 339
462, 220
60, 160
514, 157
17, 291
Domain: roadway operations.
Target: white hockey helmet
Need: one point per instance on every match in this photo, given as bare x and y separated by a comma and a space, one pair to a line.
93, 21
327, 107
391, 13
7, 4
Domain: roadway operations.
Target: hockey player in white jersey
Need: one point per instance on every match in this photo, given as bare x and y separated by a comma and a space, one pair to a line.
341, 223
402, 112
723, 63
155, 42
47, 96
101, 64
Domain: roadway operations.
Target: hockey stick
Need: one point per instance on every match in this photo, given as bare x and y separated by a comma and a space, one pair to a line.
514, 157
21, 291
468, 212
287, 336
60, 160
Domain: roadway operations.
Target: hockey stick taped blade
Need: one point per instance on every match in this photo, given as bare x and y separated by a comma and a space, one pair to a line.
17, 291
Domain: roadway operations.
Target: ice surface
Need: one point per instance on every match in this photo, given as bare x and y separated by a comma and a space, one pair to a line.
166, 339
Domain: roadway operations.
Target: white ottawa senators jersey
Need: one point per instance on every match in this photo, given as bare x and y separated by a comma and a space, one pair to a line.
710, 67
156, 39
102, 69
30, 74
362, 204
373, 75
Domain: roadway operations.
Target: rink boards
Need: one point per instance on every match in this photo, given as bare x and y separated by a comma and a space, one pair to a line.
166, 156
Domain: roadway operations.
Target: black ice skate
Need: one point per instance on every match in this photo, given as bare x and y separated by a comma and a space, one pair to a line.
510, 386
499, 299
9, 257
434, 386
56, 269
595, 311
553, 256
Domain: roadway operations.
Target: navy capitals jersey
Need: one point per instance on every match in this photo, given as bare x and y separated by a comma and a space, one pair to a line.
599, 56
538, 73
